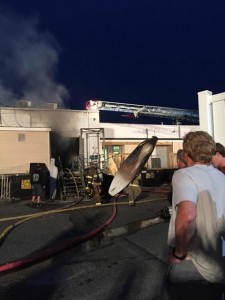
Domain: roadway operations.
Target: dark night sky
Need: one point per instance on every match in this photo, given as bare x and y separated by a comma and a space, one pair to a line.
158, 53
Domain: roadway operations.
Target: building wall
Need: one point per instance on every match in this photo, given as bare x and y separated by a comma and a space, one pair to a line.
64, 121
143, 131
20, 147
68, 124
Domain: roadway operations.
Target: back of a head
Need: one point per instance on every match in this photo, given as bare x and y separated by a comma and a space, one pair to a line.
199, 146
181, 159
220, 148
181, 155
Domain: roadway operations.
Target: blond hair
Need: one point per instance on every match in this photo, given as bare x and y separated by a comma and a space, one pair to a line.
199, 146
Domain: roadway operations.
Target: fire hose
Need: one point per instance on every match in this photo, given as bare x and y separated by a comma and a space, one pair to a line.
43, 255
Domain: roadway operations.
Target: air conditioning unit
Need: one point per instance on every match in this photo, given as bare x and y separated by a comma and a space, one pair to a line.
50, 105
23, 104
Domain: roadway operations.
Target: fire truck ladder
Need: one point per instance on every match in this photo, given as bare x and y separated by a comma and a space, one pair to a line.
177, 114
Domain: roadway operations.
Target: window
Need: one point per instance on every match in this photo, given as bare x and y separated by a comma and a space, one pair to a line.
116, 149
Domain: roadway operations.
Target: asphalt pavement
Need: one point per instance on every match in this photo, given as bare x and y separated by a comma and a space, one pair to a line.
126, 260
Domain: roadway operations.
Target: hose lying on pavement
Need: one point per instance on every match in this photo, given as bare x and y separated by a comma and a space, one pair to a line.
5, 232
45, 254
28, 217
61, 210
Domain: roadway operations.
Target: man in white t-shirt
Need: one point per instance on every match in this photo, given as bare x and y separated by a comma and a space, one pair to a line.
197, 227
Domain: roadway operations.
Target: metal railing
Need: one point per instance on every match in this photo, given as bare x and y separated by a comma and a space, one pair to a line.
5, 187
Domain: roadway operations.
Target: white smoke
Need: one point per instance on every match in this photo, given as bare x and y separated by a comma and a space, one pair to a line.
28, 62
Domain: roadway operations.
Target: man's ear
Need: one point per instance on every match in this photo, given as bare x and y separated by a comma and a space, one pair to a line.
218, 154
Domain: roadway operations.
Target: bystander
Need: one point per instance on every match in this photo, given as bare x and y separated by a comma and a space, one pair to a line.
37, 182
197, 225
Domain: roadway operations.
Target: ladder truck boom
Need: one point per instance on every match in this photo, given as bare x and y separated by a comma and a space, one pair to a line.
177, 114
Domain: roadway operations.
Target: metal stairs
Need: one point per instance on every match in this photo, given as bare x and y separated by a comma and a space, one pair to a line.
73, 184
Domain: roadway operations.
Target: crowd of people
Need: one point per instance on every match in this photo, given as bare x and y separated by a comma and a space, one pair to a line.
196, 235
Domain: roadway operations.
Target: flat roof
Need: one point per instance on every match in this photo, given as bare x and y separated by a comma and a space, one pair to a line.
2, 128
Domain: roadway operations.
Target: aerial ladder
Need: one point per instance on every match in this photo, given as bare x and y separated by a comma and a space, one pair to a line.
135, 110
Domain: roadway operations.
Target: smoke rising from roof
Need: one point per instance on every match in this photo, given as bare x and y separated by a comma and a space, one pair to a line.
28, 62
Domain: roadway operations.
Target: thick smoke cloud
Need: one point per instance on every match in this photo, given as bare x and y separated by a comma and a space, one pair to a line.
28, 62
